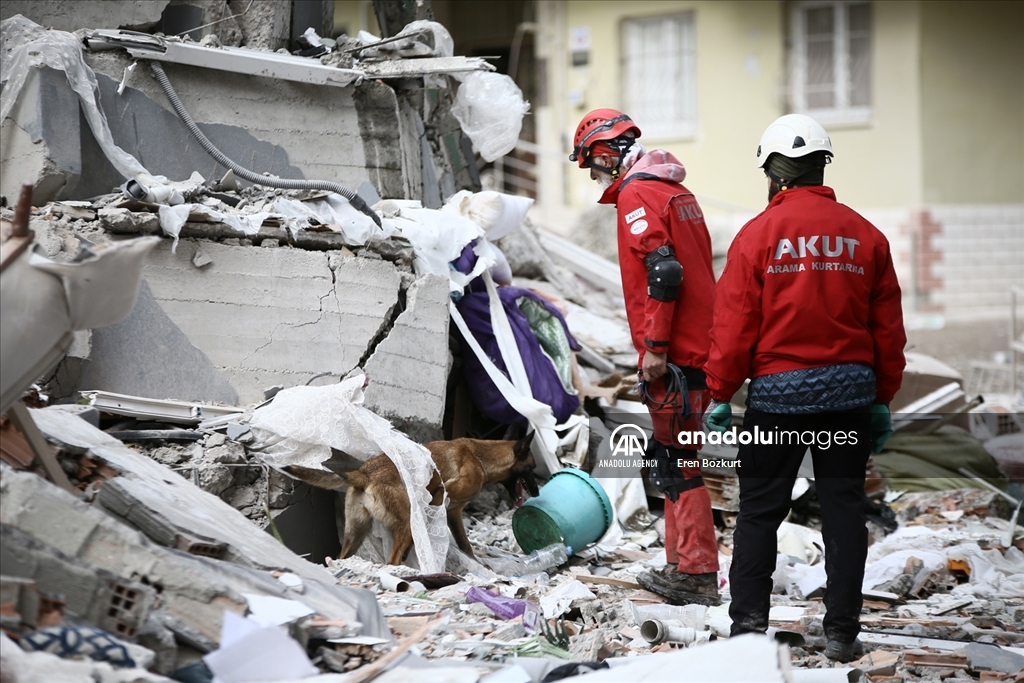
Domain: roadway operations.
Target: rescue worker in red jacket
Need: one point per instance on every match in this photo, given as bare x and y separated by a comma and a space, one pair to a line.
668, 283
808, 308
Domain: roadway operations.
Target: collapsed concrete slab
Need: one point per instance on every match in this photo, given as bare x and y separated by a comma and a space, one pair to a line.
71, 15
220, 321
39, 141
68, 534
145, 354
274, 316
168, 508
408, 371
111, 602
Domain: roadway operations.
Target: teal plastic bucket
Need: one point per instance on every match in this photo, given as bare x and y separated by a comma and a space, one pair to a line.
572, 508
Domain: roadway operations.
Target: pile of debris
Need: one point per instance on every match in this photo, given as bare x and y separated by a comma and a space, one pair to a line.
169, 513
168, 526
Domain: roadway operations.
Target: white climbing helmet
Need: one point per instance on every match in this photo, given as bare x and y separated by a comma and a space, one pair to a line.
793, 136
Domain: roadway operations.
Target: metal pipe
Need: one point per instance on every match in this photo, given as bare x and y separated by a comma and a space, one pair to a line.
656, 631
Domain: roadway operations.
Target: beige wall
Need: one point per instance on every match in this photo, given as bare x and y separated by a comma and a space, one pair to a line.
355, 15
973, 102
739, 81
741, 88
878, 165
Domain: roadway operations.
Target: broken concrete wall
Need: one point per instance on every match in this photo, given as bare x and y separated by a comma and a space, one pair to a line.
40, 141
291, 130
392, 168
62, 542
71, 15
145, 354
266, 316
113, 603
408, 371
255, 317
263, 25
266, 24
287, 129
221, 321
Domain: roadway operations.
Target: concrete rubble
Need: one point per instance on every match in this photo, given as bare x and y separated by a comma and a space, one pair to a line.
169, 506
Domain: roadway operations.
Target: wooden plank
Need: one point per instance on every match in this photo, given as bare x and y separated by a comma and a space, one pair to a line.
940, 659
604, 580
900, 622
18, 414
371, 671
633, 555
954, 606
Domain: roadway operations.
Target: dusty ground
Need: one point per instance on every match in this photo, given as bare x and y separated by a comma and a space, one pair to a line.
959, 343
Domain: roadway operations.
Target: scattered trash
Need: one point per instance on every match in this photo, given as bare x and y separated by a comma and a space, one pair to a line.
168, 545
506, 608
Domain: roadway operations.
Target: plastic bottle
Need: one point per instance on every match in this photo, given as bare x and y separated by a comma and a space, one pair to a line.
538, 561
553, 555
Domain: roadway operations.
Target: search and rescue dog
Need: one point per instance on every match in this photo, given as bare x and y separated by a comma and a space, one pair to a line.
464, 467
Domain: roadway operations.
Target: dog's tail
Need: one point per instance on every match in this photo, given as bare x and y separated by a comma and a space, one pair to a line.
324, 479
356, 480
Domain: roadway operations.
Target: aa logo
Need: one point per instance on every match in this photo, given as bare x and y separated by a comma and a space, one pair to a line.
629, 441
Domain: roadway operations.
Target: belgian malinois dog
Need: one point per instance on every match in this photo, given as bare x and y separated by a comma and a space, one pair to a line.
464, 467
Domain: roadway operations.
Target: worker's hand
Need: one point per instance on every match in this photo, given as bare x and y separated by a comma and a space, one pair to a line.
654, 365
881, 426
718, 416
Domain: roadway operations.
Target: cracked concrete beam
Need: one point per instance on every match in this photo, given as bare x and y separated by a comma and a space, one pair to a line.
408, 370
274, 316
71, 15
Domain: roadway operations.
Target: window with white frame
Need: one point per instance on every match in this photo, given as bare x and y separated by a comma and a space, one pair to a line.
830, 43
659, 75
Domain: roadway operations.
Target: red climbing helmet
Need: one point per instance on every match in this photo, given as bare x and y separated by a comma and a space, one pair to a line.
609, 126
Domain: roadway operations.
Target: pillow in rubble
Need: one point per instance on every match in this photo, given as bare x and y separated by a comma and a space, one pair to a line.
78, 642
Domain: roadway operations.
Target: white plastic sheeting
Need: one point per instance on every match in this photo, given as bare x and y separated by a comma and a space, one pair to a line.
558, 601
993, 574
490, 109
497, 213
333, 209
25, 45
301, 426
438, 238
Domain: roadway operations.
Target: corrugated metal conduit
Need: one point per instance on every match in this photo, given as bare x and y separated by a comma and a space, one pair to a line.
256, 178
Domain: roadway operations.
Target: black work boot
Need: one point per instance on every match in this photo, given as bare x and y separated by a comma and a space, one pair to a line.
843, 651
682, 589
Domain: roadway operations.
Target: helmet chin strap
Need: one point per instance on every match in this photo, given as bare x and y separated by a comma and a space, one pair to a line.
800, 173
621, 145
613, 172
781, 182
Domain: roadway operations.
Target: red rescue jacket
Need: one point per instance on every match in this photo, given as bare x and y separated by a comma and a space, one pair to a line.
808, 283
654, 209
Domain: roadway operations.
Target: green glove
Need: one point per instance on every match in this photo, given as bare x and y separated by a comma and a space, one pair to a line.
881, 426
718, 416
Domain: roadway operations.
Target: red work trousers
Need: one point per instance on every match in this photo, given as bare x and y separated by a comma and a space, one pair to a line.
690, 541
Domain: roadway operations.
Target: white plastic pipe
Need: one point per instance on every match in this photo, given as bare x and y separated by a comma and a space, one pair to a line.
656, 631
392, 583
